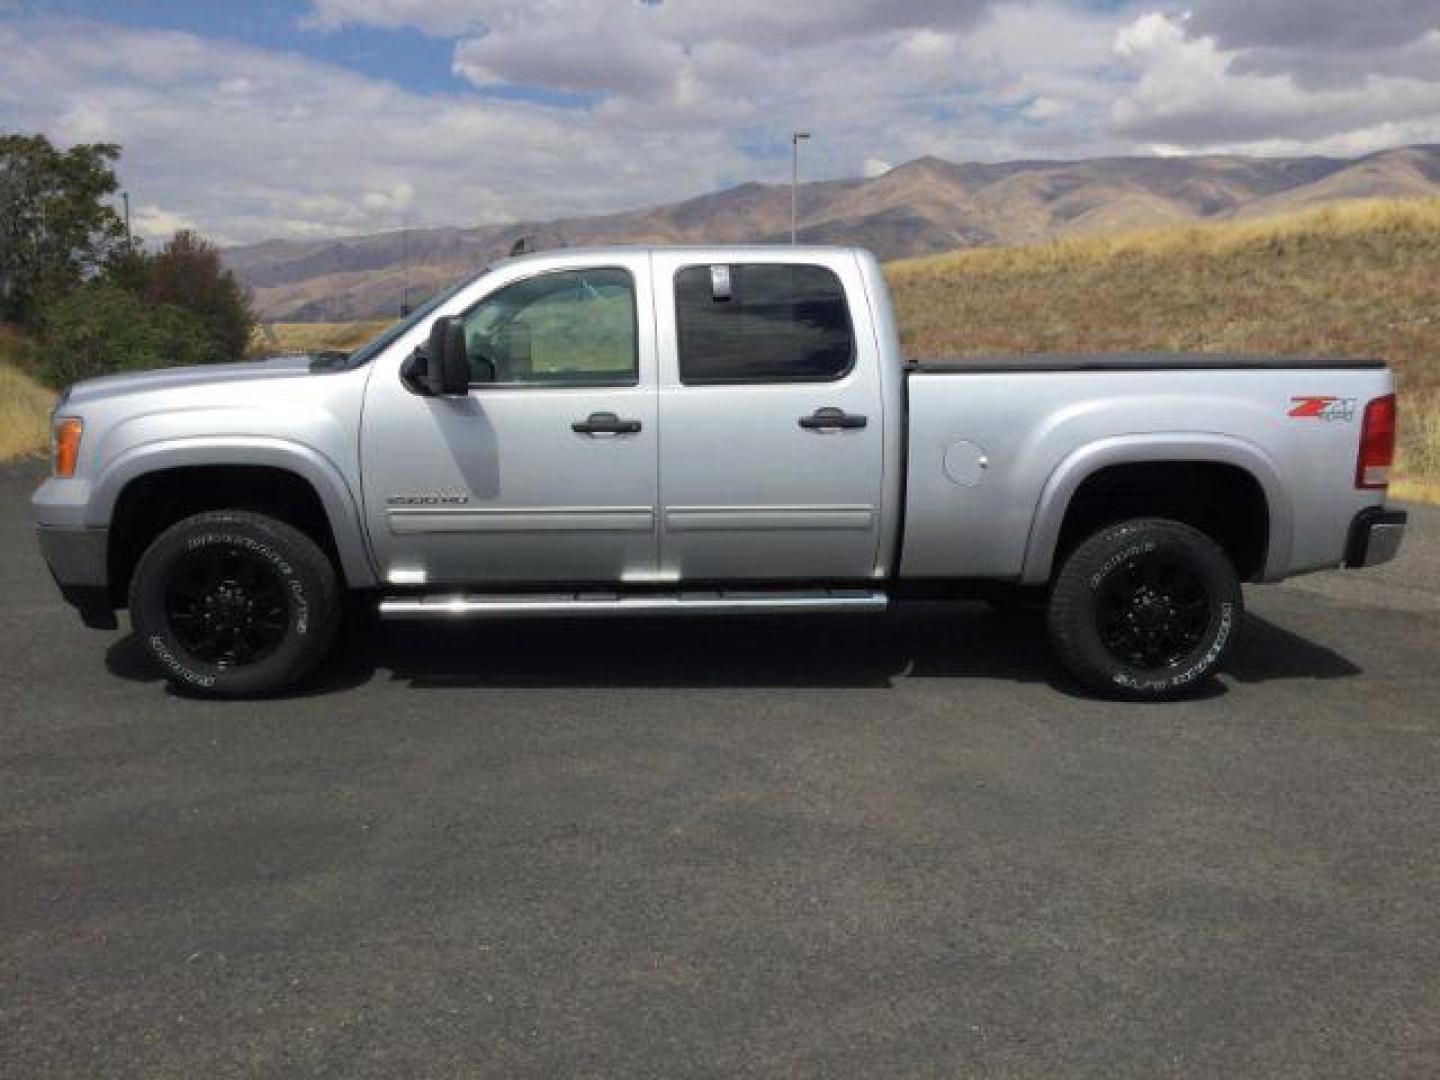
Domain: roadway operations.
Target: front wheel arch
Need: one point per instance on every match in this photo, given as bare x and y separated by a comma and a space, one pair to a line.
162, 462
152, 502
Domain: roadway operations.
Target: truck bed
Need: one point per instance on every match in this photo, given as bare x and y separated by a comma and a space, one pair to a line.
1145, 361
996, 446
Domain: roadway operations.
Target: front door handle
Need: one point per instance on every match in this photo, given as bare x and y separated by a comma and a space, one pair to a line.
605, 423
832, 419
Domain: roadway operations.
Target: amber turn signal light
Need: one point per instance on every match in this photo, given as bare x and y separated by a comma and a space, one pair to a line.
67, 433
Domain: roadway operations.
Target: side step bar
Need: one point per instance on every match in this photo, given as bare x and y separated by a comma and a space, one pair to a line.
685, 602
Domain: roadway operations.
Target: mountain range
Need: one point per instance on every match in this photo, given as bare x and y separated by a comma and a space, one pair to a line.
918, 208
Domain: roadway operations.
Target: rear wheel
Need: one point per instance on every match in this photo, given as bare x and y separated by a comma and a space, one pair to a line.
1145, 609
232, 603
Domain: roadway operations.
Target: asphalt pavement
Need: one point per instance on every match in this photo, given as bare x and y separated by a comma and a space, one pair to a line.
806, 847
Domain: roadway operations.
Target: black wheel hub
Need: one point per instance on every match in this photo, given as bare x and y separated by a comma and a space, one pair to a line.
1153, 611
227, 606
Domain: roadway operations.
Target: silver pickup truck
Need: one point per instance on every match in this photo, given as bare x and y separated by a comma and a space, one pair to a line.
705, 431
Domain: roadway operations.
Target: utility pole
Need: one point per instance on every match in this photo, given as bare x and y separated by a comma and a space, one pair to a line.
404, 268
795, 137
125, 198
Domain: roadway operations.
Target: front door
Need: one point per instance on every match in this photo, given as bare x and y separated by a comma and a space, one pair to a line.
772, 432
546, 471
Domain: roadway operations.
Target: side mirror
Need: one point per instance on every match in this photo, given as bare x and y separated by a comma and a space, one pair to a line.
447, 371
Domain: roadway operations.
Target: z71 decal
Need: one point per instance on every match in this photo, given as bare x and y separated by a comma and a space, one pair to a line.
1322, 408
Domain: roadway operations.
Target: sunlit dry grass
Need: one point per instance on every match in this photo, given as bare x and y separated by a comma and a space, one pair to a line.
24, 414
283, 337
1359, 279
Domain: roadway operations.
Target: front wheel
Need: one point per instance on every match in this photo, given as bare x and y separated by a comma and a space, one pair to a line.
1145, 609
233, 604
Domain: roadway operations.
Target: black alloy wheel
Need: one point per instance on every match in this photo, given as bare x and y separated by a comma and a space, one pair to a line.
234, 603
226, 606
1153, 611
1145, 609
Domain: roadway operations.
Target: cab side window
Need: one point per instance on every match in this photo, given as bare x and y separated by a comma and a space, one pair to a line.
564, 328
762, 322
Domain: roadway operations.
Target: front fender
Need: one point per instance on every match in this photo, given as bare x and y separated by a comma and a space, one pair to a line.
1084, 462
341, 506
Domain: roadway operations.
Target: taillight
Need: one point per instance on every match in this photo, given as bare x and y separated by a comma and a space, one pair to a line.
66, 437
1377, 444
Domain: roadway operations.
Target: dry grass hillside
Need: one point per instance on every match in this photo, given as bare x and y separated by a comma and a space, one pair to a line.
1359, 279
312, 337
24, 403
918, 208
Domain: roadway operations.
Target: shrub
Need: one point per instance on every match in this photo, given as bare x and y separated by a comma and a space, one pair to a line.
101, 328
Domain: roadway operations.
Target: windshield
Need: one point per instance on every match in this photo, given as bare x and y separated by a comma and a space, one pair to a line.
376, 345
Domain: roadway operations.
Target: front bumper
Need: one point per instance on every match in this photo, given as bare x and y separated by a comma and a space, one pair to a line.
79, 562
1375, 536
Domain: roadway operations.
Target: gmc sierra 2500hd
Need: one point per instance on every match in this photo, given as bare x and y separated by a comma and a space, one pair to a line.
704, 431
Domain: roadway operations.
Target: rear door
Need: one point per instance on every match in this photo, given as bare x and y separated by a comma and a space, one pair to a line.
771, 459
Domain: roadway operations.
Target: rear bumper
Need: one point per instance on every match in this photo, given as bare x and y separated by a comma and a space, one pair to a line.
1375, 536
79, 562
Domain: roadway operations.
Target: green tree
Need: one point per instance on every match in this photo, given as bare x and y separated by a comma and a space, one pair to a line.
101, 328
187, 273
55, 227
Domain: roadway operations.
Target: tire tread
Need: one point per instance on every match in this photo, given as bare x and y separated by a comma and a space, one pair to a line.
1070, 602
313, 564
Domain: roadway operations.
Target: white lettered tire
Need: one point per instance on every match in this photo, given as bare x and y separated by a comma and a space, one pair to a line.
232, 603
1145, 609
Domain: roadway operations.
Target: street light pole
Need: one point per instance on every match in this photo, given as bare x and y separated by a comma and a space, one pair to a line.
795, 137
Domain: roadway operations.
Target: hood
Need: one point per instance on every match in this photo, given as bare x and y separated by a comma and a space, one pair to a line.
138, 382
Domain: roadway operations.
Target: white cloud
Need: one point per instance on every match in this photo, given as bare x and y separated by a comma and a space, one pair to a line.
874, 167
400, 197
1045, 108
771, 24
250, 143
1188, 92
676, 98
310, 148
155, 223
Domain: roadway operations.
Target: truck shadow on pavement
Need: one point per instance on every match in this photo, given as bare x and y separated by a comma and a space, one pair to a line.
920, 640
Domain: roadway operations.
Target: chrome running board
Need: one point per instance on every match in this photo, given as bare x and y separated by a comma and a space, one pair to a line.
685, 602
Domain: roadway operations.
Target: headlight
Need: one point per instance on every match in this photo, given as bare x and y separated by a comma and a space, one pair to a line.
65, 432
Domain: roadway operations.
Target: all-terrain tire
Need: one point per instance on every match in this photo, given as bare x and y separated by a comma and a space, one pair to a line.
1167, 575
268, 563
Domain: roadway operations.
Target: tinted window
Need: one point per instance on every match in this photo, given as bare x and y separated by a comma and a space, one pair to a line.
566, 327
779, 324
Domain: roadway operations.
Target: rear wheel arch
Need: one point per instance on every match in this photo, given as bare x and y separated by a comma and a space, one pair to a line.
1227, 488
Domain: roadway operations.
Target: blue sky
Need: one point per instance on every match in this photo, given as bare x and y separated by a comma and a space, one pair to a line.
404, 55
310, 118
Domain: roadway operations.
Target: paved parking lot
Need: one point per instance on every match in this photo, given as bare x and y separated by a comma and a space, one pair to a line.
814, 848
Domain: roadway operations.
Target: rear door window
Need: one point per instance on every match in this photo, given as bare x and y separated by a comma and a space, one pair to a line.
762, 322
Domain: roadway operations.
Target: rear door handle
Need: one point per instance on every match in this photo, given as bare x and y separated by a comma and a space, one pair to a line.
605, 423
832, 419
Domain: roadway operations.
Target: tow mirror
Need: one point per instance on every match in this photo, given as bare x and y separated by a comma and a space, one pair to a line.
447, 371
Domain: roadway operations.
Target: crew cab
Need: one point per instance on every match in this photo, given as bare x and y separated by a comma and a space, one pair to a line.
705, 431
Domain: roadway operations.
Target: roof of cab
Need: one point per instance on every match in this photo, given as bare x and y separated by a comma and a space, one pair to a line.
703, 251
